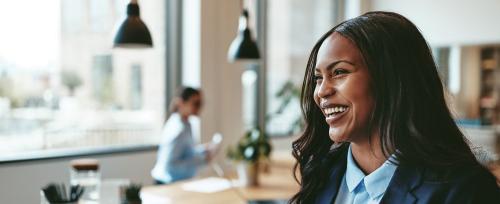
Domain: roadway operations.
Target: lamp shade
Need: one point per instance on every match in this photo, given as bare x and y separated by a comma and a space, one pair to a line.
133, 33
243, 46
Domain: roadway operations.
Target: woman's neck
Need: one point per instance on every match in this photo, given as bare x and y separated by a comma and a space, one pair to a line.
184, 118
368, 155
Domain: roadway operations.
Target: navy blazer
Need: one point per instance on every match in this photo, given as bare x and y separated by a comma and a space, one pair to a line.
420, 185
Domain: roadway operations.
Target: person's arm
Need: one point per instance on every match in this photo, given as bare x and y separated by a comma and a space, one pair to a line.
178, 160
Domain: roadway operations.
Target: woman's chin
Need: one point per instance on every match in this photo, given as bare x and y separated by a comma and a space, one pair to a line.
336, 136
337, 139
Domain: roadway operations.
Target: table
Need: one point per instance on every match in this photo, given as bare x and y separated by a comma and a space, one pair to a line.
278, 184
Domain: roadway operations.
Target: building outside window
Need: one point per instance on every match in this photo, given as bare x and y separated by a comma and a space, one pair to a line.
62, 85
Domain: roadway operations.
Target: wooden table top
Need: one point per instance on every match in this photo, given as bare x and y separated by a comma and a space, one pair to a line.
278, 184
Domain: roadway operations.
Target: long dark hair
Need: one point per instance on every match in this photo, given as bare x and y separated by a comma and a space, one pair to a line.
410, 112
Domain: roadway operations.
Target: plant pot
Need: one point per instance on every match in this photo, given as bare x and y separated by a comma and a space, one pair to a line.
248, 173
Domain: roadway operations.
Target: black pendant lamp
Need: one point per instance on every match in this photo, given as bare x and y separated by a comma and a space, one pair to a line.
133, 33
243, 46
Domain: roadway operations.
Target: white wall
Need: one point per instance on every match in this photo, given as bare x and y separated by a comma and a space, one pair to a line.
446, 22
220, 80
354, 8
20, 183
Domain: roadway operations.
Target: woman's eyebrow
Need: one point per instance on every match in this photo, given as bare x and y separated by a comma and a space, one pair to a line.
331, 65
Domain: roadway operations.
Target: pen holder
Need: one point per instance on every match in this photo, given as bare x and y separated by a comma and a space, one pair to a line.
59, 194
43, 200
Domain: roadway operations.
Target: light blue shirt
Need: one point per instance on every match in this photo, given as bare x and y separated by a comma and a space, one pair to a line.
358, 188
178, 156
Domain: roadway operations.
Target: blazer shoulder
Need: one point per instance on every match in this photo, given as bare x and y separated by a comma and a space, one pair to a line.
469, 184
459, 175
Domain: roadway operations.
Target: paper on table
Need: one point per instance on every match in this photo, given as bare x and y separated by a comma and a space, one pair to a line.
154, 199
207, 185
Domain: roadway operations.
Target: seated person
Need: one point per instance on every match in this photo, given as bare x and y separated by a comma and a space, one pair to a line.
178, 156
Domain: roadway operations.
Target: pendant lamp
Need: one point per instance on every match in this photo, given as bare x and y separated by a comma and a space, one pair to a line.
243, 46
133, 33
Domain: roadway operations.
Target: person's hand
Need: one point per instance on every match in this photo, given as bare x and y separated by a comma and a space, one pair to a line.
213, 146
210, 151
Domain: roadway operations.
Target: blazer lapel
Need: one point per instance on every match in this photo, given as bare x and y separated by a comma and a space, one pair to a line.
338, 172
400, 189
331, 189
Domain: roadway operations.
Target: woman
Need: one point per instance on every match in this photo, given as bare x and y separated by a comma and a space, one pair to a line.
178, 156
378, 129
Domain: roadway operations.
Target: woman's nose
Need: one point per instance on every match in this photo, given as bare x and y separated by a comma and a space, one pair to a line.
326, 89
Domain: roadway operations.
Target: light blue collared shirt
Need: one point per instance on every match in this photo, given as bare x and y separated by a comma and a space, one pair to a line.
178, 156
358, 188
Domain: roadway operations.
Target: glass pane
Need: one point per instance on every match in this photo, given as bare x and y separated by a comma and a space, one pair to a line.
293, 28
63, 86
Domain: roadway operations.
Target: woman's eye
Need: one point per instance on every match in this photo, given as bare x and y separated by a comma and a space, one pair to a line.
339, 71
317, 78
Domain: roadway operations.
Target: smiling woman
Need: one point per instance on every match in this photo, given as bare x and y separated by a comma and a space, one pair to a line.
342, 89
377, 124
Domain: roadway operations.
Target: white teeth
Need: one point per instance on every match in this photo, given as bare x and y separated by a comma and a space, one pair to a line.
337, 109
329, 110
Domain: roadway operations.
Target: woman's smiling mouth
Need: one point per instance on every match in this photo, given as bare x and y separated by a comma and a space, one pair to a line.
334, 113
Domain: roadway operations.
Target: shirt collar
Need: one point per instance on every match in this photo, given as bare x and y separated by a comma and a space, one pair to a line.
353, 175
375, 183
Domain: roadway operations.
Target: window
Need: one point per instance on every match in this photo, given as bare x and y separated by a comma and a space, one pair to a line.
292, 29
63, 86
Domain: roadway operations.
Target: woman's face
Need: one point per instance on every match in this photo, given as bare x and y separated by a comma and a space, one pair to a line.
192, 106
343, 90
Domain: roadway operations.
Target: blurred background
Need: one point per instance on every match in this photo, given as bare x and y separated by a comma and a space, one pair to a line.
65, 92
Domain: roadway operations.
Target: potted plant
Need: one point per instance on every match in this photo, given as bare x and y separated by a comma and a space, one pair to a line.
251, 150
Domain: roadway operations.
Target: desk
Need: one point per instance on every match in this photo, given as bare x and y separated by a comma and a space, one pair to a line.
278, 184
